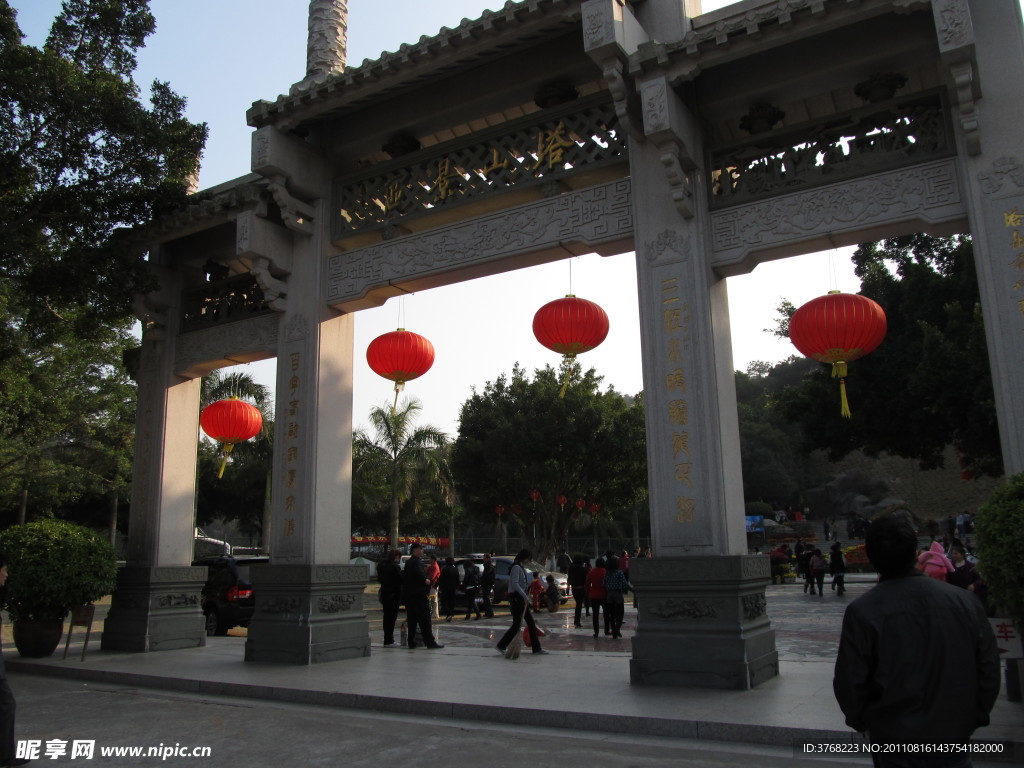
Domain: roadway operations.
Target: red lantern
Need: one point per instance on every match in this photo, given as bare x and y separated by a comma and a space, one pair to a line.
534, 495
838, 328
562, 499
229, 422
499, 511
400, 356
594, 508
570, 326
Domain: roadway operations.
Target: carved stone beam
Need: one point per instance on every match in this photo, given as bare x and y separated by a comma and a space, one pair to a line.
255, 237
152, 308
956, 47
269, 248
610, 34
296, 215
296, 173
274, 291
668, 124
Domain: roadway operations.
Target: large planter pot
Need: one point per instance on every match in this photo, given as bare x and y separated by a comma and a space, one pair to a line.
37, 638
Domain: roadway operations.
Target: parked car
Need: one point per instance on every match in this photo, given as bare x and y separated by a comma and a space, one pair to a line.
228, 599
502, 566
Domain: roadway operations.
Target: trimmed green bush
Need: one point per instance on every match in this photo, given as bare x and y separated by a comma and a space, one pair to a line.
999, 535
53, 567
757, 508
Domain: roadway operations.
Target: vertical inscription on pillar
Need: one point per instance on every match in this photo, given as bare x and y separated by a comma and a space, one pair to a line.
675, 318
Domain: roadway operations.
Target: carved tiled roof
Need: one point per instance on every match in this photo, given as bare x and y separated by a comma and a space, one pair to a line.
203, 210
756, 19
494, 33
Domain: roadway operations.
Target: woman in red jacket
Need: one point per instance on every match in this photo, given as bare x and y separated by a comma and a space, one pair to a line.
594, 586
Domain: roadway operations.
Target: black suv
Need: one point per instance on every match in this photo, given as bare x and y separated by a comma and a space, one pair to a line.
228, 599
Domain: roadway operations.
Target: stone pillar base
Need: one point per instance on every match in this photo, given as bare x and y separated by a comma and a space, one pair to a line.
156, 609
308, 614
702, 622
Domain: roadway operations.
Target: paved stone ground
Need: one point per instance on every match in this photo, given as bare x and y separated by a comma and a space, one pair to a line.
806, 627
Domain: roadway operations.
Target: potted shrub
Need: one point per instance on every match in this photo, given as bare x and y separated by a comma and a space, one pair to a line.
54, 566
999, 536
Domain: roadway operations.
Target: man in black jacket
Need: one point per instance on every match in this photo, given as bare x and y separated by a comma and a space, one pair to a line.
917, 659
415, 589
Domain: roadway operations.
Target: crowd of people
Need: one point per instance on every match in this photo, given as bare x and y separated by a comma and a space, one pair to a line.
429, 589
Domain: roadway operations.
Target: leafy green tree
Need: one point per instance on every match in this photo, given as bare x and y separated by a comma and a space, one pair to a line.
81, 157
408, 458
774, 464
519, 436
928, 385
66, 422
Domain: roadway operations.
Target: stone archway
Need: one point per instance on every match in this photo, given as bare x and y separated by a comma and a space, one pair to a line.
703, 142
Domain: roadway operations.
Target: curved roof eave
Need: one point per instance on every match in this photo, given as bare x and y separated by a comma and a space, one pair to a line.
495, 33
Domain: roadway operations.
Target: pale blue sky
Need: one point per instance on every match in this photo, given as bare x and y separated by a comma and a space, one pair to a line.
223, 55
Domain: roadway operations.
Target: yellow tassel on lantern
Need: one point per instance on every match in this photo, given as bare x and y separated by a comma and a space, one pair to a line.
224, 458
839, 372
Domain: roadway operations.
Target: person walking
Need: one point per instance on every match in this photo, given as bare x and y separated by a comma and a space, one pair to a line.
8, 705
576, 577
597, 595
471, 586
615, 585
519, 604
487, 585
917, 661
389, 574
816, 570
447, 586
415, 591
837, 568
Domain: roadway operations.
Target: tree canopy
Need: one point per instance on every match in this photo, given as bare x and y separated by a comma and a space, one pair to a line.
81, 157
519, 436
928, 385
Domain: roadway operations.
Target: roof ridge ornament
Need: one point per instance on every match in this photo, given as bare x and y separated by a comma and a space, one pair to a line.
326, 42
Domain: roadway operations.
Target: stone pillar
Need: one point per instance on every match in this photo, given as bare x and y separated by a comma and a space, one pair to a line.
309, 599
702, 615
157, 604
988, 112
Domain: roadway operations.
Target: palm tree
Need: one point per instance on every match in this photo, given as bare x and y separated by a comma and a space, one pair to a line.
403, 455
219, 386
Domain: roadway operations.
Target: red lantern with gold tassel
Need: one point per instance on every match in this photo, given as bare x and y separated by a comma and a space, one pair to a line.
570, 327
838, 328
400, 356
229, 422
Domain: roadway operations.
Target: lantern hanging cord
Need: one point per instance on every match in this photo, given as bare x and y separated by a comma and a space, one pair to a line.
839, 371
832, 280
